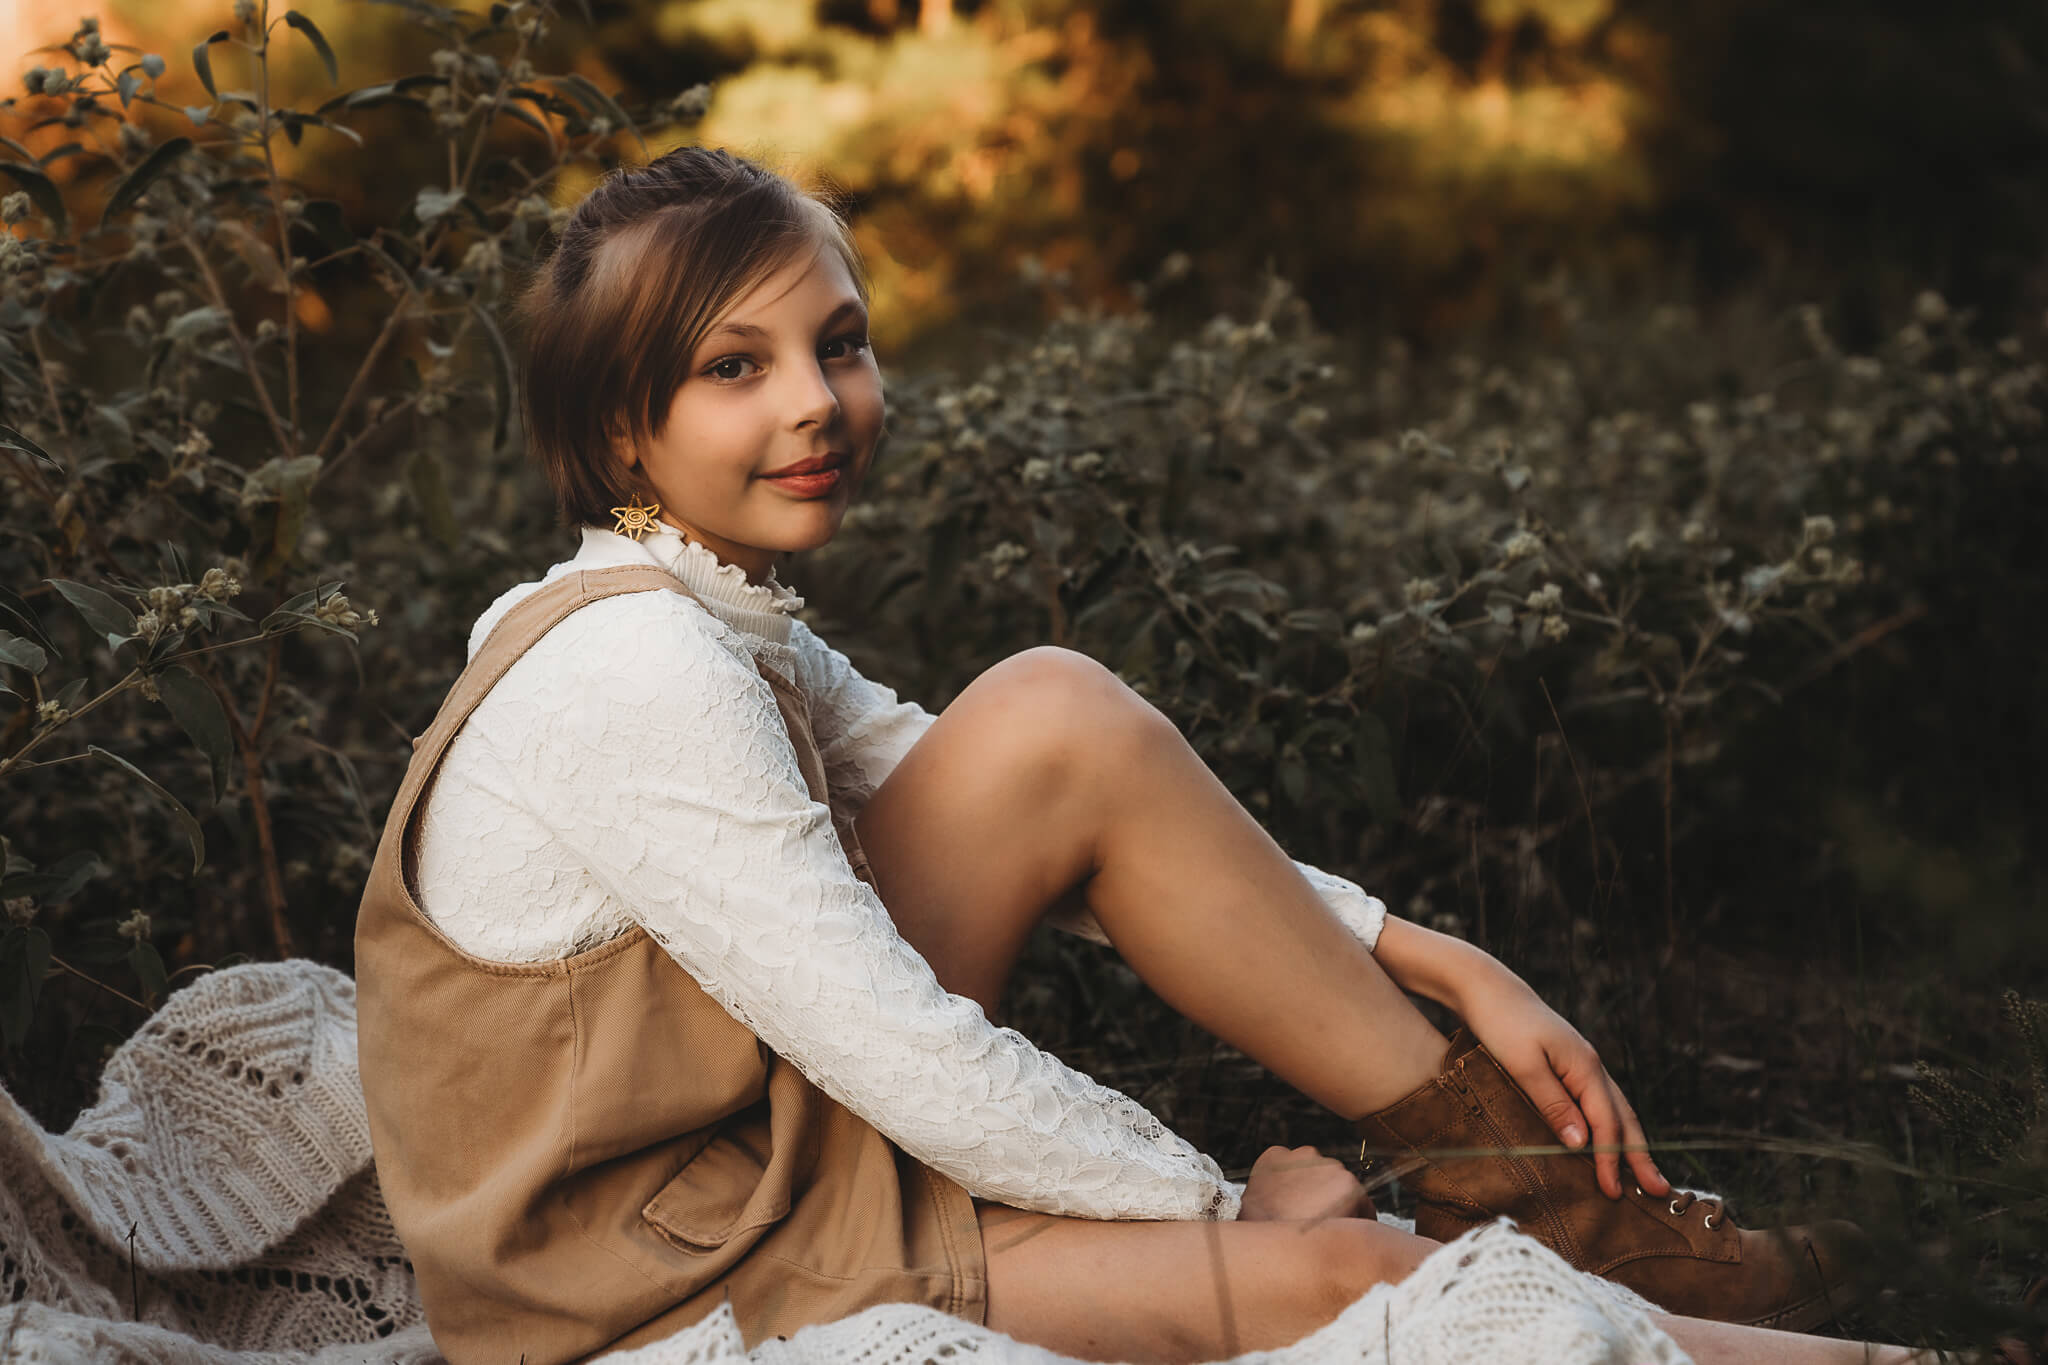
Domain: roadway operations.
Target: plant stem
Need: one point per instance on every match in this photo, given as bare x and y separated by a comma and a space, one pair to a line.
259, 805
62, 965
361, 381
52, 762
285, 445
1670, 783
363, 437
459, 176
14, 760
284, 238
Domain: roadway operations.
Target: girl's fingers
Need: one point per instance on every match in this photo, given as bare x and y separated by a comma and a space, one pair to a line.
1598, 1100
1555, 1103
1641, 1163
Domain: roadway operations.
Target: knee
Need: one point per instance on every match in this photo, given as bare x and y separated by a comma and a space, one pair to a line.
1348, 1256
1068, 709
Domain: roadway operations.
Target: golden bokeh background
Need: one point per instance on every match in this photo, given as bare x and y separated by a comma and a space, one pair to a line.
1421, 163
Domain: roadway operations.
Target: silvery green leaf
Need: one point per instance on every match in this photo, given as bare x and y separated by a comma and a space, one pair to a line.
196, 323
318, 39
102, 613
503, 369
198, 713
42, 190
57, 883
14, 440
22, 653
186, 822
432, 203
149, 970
202, 60
136, 181
15, 610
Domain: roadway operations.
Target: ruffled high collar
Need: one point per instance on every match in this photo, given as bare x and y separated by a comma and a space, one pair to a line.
763, 610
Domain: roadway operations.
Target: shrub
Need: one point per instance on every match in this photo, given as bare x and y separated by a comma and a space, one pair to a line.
207, 371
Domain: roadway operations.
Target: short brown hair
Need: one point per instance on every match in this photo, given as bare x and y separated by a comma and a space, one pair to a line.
645, 266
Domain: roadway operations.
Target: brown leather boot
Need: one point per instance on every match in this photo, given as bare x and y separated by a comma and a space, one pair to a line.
1681, 1253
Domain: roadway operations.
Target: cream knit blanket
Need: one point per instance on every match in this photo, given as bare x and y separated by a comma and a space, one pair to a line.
217, 1205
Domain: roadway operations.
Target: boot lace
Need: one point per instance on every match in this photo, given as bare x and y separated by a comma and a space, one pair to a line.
1685, 1199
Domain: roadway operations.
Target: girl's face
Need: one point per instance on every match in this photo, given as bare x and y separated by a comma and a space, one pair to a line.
783, 382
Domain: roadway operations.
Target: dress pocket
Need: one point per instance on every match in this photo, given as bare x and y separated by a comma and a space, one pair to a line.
725, 1190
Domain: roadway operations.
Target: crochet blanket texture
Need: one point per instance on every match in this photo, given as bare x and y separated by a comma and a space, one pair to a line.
217, 1204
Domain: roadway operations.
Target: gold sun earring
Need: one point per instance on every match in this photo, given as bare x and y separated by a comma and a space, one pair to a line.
636, 518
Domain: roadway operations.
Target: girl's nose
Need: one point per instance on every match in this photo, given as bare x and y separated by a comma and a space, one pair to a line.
814, 399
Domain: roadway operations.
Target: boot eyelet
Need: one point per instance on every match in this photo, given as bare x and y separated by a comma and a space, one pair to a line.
1640, 1194
1675, 1210
1710, 1221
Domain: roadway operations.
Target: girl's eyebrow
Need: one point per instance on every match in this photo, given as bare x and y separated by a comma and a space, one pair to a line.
747, 331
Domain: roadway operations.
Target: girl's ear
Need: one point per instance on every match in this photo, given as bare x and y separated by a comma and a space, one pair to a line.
622, 448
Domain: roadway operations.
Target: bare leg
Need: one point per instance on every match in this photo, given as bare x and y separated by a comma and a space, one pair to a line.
1047, 778
1180, 1292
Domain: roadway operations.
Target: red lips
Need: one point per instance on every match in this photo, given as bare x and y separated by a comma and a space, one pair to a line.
816, 464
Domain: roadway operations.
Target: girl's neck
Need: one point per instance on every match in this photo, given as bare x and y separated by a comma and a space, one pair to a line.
756, 564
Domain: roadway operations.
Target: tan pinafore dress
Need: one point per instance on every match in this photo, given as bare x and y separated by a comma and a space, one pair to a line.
591, 1153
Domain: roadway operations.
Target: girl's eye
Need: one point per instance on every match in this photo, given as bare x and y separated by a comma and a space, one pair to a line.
726, 368
852, 341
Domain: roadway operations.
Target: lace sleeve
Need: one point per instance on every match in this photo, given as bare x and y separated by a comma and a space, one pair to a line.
862, 730
667, 772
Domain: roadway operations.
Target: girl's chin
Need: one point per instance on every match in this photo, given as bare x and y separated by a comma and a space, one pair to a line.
810, 531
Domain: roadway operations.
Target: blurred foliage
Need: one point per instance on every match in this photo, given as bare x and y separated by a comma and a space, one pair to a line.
1686, 661
1403, 161
1407, 163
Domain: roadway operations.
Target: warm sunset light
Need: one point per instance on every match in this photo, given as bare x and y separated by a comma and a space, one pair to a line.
1023, 682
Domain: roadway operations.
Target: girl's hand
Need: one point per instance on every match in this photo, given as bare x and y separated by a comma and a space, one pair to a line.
1294, 1184
1558, 1069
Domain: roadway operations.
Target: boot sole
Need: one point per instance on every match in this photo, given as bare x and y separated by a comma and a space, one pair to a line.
1809, 1313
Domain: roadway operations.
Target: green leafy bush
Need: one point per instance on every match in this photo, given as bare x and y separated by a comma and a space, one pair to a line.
218, 394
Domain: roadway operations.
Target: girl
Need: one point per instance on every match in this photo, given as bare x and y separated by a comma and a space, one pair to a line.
674, 991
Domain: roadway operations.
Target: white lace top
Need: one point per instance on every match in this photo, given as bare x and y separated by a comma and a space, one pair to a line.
632, 768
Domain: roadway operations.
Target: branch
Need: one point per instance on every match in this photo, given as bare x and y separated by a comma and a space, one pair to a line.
259, 806
284, 237
61, 965
285, 445
14, 760
1855, 644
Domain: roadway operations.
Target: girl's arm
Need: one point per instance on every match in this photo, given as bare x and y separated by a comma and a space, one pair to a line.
1547, 1057
666, 770
1435, 966
863, 732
